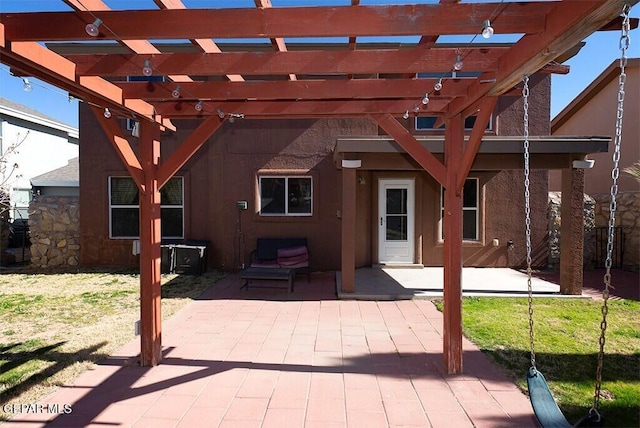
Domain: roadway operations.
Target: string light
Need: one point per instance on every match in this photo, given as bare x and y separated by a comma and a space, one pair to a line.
198, 106
220, 114
425, 99
93, 29
107, 113
406, 114
26, 85
147, 70
487, 29
176, 92
438, 86
457, 66
416, 108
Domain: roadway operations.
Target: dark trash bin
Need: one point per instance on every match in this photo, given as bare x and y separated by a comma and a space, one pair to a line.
190, 258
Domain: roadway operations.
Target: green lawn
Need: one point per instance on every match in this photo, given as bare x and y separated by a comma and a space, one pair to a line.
566, 344
55, 326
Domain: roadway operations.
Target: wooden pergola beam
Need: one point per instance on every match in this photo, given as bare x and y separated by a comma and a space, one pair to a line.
329, 21
319, 62
292, 90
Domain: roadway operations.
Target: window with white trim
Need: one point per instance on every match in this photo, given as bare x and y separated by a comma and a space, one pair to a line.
124, 208
286, 195
470, 210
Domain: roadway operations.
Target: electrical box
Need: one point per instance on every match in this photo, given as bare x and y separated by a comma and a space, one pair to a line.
242, 205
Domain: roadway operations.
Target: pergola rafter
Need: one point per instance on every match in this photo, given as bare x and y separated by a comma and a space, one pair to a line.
314, 79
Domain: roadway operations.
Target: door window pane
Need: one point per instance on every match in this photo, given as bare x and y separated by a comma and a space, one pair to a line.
396, 228
396, 201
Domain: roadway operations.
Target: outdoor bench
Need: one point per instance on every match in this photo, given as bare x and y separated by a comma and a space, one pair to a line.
282, 253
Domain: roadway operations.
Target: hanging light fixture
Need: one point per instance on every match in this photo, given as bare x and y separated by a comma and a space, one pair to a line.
406, 114
487, 29
232, 119
416, 108
147, 70
93, 29
457, 66
198, 106
107, 113
220, 114
176, 92
438, 86
26, 85
425, 99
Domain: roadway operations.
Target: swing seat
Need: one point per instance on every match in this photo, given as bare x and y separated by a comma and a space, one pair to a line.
544, 405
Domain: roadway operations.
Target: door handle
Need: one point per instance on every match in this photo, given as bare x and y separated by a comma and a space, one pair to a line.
381, 219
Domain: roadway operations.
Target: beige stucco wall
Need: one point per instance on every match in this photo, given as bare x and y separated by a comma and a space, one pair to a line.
598, 117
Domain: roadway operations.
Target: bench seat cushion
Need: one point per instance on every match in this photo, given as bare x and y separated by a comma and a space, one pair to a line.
293, 257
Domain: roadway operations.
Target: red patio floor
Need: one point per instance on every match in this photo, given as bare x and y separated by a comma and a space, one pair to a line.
265, 358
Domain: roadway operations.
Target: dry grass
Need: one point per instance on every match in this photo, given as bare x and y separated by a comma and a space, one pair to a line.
55, 326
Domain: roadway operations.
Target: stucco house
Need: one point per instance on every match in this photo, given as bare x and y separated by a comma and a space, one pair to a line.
44, 144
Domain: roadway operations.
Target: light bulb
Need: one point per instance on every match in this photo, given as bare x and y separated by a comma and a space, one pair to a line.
107, 113
176, 92
220, 114
92, 29
425, 99
416, 108
232, 119
199, 106
457, 66
26, 85
147, 70
438, 85
487, 30
406, 114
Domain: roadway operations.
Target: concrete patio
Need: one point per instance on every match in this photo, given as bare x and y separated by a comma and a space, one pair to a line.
264, 357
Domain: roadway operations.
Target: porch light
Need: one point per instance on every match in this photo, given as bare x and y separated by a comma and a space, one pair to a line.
425, 99
26, 85
107, 113
487, 29
198, 106
147, 70
406, 114
176, 92
92, 29
457, 66
438, 85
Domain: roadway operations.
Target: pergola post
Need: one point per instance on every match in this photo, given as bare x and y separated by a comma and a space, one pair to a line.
348, 262
452, 317
150, 291
572, 231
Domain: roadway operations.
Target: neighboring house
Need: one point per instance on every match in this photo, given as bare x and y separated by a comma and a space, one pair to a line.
63, 181
593, 112
46, 144
289, 173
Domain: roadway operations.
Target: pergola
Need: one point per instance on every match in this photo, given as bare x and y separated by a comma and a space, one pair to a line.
318, 78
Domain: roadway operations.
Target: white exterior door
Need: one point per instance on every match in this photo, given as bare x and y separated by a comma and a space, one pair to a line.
395, 220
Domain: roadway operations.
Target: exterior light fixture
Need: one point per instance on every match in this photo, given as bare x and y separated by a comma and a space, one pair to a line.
220, 114
198, 106
93, 29
438, 85
487, 29
146, 69
176, 92
406, 114
26, 85
107, 113
416, 108
232, 119
425, 99
457, 66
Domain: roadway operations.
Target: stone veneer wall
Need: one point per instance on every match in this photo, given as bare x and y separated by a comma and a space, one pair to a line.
555, 204
55, 231
628, 218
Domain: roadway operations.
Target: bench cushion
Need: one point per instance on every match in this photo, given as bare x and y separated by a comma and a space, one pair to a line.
294, 257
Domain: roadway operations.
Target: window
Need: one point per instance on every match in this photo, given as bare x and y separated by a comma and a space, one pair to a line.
124, 208
470, 210
427, 122
286, 196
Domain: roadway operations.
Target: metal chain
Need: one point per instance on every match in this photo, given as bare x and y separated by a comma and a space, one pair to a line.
615, 172
527, 214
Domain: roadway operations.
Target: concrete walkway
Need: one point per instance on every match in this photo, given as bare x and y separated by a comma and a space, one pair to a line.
266, 358
396, 283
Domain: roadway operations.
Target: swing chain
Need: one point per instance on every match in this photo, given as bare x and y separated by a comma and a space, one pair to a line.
527, 211
615, 172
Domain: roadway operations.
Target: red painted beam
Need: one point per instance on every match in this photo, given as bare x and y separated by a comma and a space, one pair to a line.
187, 149
452, 316
325, 21
408, 142
313, 62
